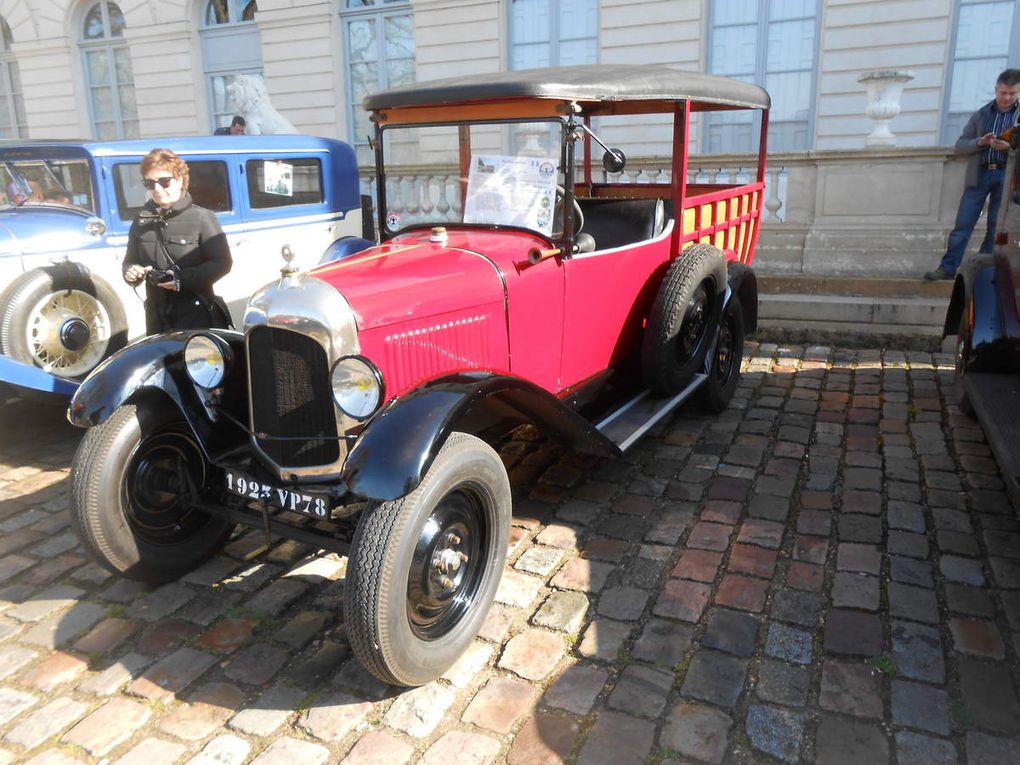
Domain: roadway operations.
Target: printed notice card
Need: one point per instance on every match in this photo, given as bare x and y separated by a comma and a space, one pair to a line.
279, 178
511, 191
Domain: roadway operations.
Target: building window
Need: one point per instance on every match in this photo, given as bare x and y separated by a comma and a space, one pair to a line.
12, 105
771, 43
553, 33
108, 76
379, 48
231, 44
985, 44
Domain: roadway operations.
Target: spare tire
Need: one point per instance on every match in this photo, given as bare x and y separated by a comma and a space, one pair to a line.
683, 320
61, 319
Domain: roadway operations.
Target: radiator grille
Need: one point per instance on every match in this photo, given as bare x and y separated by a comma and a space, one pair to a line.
291, 398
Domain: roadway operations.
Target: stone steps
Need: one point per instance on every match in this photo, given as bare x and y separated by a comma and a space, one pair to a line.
885, 311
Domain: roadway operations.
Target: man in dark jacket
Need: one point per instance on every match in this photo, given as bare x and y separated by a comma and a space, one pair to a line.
237, 127
178, 249
985, 171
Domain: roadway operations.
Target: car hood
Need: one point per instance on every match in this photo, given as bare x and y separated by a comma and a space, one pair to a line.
34, 230
413, 279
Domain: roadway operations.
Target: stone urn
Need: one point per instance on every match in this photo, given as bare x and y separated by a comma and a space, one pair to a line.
885, 88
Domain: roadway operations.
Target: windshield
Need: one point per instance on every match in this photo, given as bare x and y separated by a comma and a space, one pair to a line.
46, 182
492, 174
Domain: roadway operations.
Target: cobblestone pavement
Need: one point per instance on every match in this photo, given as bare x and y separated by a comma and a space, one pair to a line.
827, 573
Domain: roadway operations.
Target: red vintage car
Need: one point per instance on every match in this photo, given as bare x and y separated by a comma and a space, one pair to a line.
358, 409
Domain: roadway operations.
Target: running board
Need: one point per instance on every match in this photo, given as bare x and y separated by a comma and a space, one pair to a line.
635, 418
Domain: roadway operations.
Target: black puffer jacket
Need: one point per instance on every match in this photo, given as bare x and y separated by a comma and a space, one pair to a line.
198, 253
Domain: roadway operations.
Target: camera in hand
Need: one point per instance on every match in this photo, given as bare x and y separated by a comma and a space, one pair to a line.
158, 277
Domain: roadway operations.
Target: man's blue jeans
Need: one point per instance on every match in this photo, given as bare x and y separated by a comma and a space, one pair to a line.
989, 186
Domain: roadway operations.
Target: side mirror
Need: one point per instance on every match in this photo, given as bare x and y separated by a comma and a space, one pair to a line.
614, 160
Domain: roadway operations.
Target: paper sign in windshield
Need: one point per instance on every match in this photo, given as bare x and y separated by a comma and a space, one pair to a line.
511, 191
279, 178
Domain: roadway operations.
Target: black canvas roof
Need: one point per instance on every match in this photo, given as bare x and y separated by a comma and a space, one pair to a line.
592, 84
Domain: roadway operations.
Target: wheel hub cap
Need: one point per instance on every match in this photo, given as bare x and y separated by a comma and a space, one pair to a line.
74, 334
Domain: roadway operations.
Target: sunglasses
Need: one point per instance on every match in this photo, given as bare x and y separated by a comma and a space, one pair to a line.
165, 182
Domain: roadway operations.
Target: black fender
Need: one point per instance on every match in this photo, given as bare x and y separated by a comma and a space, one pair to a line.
396, 449
154, 367
744, 284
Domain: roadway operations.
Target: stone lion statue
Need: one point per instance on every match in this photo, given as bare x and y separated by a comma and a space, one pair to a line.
251, 100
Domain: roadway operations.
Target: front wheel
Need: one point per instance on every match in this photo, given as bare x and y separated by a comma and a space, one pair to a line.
724, 369
423, 569
131, 489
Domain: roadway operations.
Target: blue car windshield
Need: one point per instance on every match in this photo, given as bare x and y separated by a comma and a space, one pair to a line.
41, 181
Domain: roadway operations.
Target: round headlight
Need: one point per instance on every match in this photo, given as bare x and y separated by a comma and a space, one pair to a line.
357, 386
205, 362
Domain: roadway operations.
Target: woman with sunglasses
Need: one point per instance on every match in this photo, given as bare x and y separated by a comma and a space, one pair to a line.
178, 249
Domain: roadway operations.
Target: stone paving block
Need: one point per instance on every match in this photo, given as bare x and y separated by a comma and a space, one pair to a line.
783, 684
53, 671
853, 590
222, 750
682, 599
616, 739
842, 742
497, 706
622, 603
811, 549
294, 750
762, 533
756, 561
333, 716
206, 710
911, 571
972, 601
583, 575
165, 636
378, 748
742, 592
532, 654
42, 604
544, 739
920, 706
517, 589
989, 696
805, 576
13, 658
991, 749
663, 642
977, 637
917, 650
161, 602
470, 663
539, 560
696, 730
917, 749
789, 643
172, 675
963, 570
861, 558
268, 712
228, 634
905, 543
604, 638
354, 677
732, 632
109, 726
46, 722
852, 689
275, 597
803, 608
462, 746
850, 632
777, 732
153, 751
576, 688
641, 691
699, 565
709, 536
715, 677
106, 636
912, 603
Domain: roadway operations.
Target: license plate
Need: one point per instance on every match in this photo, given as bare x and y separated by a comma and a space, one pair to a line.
315, 505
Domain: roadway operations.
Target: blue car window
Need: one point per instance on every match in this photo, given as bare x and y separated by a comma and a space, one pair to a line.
284, 182
208, 185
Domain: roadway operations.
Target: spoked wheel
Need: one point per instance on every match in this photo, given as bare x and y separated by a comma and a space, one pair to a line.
132, 485
724, 369
423, 569
61, 321
962, 358
683, 319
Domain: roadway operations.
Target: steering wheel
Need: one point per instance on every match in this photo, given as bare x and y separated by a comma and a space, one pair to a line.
561, 194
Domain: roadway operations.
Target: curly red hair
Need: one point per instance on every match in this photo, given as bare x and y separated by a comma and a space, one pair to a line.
164, 159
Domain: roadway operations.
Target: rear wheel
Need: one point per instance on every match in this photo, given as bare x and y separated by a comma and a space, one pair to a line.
423, 569
61, 320
131, 496
724, 370
683, 319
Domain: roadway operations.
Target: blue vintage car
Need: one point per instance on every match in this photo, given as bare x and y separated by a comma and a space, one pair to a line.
65, 211
984, 314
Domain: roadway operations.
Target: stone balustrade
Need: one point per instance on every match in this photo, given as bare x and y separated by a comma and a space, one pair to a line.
870, 212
